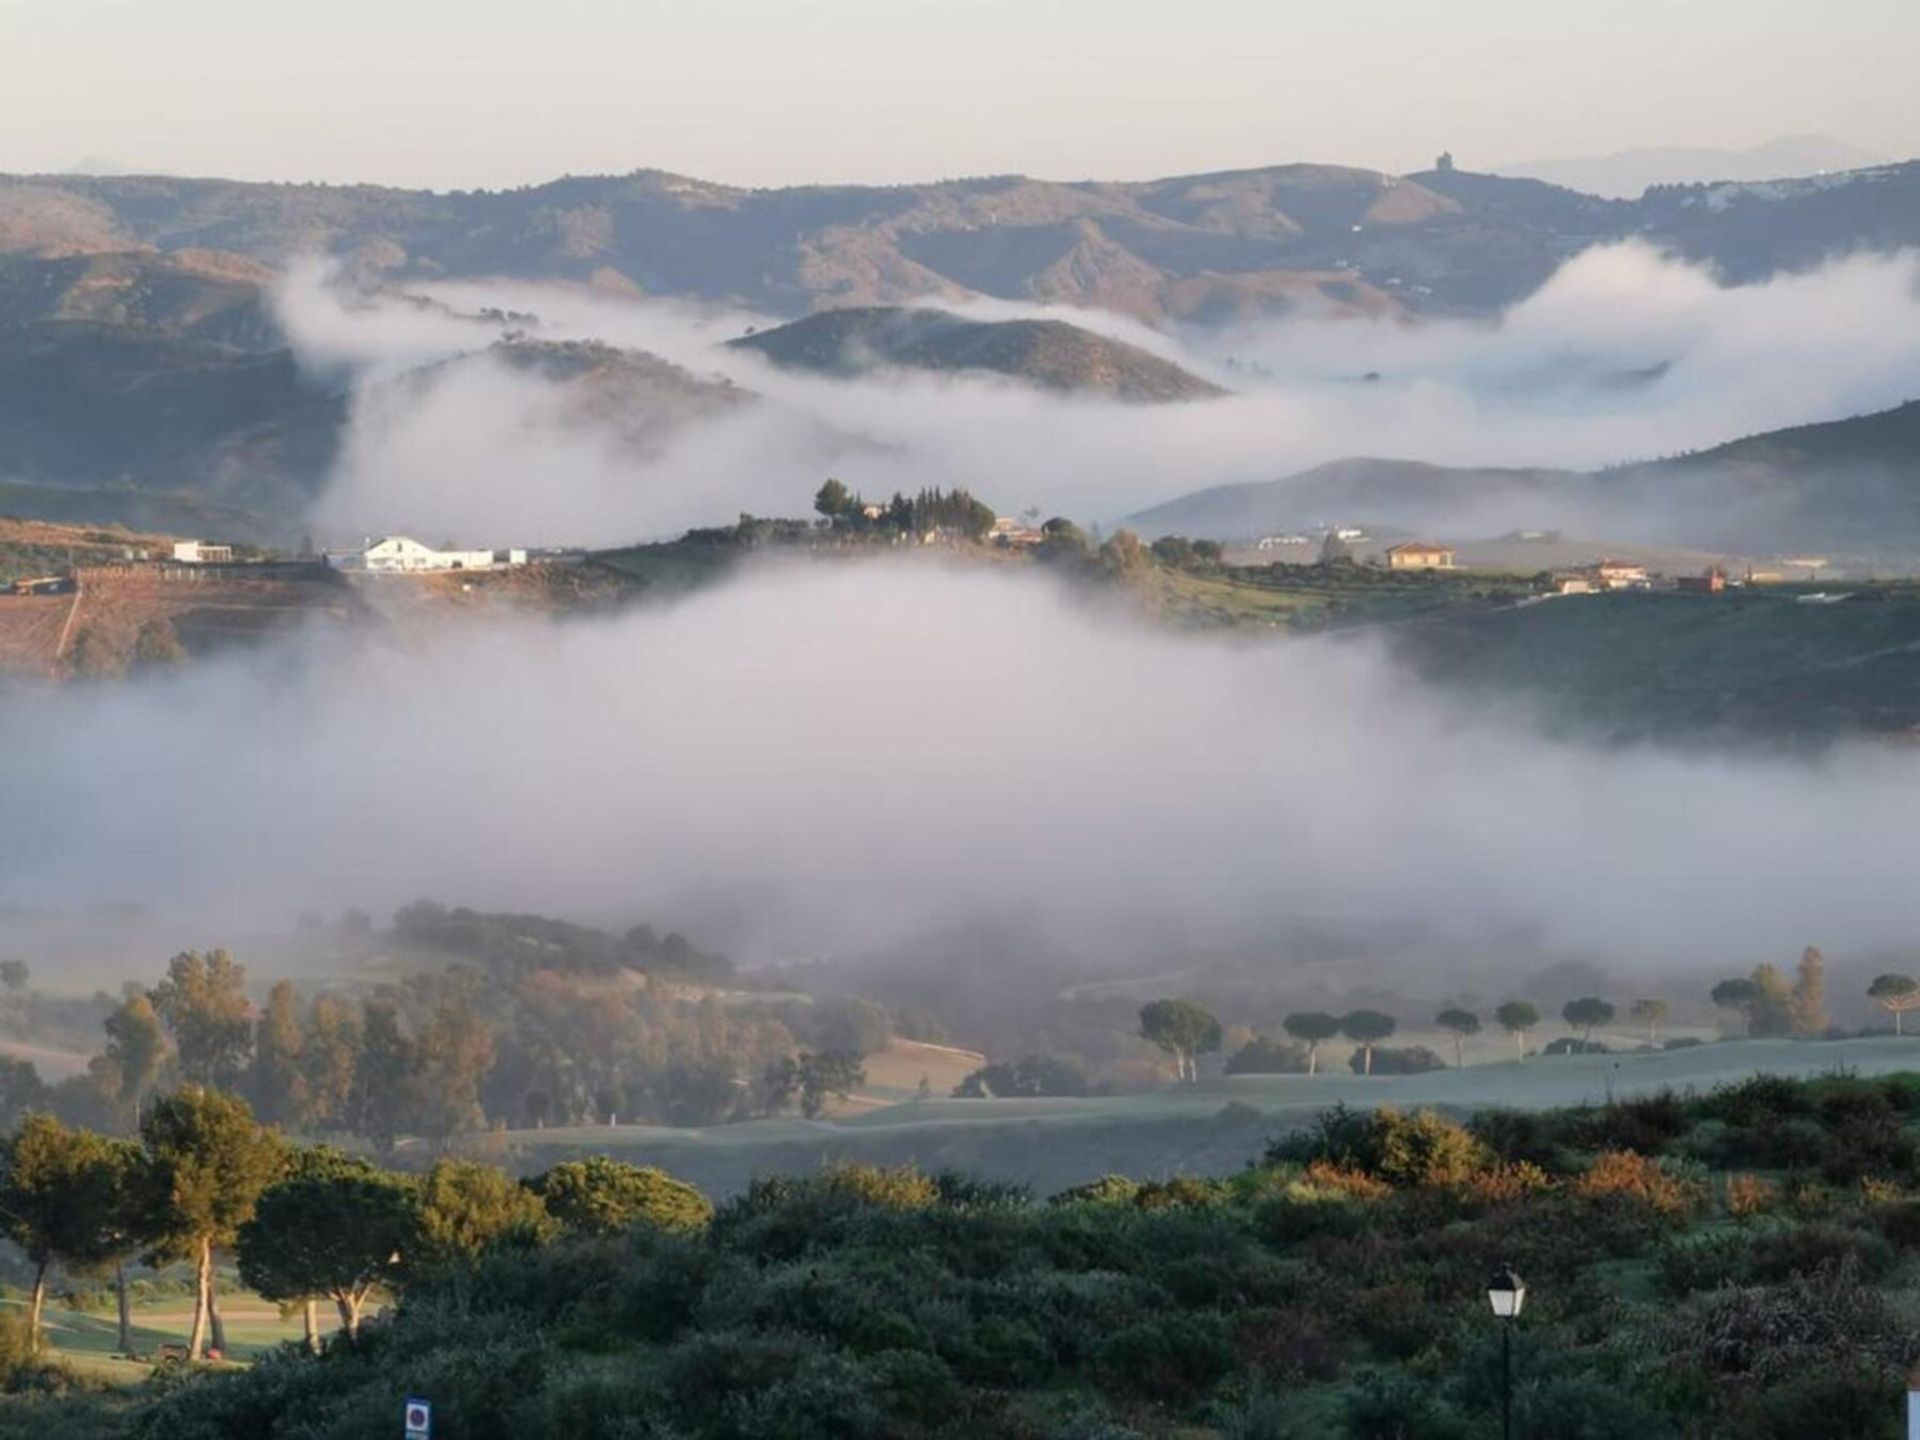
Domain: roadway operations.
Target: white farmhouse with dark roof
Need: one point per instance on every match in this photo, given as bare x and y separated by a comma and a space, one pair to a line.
402, 554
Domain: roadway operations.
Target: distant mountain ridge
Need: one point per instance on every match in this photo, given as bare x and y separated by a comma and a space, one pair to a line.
1049, 354
1852, 482
1626, 174
1192, 249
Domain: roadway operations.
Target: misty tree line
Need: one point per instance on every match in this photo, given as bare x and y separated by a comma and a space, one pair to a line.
932, 509
1768, 1002
440, 1055
305, 1224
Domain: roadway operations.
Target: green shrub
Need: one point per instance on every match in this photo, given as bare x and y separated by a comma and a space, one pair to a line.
1851, 1395
1648, 1125
1759, 1101
1107, 1190
602, 1196
1393, 1405
1170, 1358
1520, 1136
1424, 1149
916, 1387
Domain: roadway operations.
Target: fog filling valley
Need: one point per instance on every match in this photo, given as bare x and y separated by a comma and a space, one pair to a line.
821, 758
1623, 355
817, 758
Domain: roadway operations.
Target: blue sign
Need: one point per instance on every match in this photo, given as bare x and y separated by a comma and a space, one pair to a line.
419, 1419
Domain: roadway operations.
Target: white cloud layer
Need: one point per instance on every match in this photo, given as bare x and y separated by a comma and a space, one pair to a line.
1623, 355
816, 757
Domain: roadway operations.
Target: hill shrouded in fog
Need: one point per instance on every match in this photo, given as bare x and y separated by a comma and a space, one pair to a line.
1049, 353
1846, 482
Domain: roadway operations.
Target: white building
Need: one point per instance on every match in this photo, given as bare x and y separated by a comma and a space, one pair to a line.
199, 552
401, 554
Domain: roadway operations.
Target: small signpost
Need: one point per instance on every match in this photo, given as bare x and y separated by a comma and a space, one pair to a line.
419, 1419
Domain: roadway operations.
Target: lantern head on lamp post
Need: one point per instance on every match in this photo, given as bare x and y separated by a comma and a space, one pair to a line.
1506, 1292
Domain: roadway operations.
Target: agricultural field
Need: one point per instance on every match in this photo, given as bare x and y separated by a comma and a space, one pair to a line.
1306, 598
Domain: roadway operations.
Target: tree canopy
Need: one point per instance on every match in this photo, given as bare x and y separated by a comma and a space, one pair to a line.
210, 1161
1182, 1029
603, 1196
336, 1231
1587, 1014
1367, 1028
1462, 1023
1312, 1027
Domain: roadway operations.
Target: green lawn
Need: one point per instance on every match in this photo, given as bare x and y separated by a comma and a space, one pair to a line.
89, 1339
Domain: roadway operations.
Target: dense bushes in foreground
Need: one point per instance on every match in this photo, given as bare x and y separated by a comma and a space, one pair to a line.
1336, 1289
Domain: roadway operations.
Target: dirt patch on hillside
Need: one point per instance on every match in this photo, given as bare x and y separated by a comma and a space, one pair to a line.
98, 628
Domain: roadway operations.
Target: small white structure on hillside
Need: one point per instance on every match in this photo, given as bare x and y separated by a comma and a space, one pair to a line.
199, 552
401, 554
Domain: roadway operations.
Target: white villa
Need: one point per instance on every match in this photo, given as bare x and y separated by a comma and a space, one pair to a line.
401, 554
200, 552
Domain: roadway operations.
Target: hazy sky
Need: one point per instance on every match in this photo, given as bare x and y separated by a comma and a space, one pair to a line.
454, 93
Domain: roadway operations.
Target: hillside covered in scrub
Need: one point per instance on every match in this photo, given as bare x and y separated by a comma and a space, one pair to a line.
1736, 1263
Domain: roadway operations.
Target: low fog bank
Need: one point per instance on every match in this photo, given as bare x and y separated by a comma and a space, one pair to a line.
817, 760
1623, 355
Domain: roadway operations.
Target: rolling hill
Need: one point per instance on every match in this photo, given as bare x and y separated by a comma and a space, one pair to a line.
1198, 248
632, 395
1050, 354
1852, 483
1749, 665
156, 390
124, 376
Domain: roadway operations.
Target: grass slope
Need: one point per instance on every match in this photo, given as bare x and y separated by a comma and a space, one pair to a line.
1204, 1128
1695, 667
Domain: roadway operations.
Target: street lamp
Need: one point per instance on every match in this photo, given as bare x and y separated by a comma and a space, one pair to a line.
1506, 1292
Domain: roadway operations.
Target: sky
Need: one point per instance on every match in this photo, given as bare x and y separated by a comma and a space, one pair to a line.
478, 93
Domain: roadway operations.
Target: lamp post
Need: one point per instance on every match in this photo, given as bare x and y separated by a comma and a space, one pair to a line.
1506, 1292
